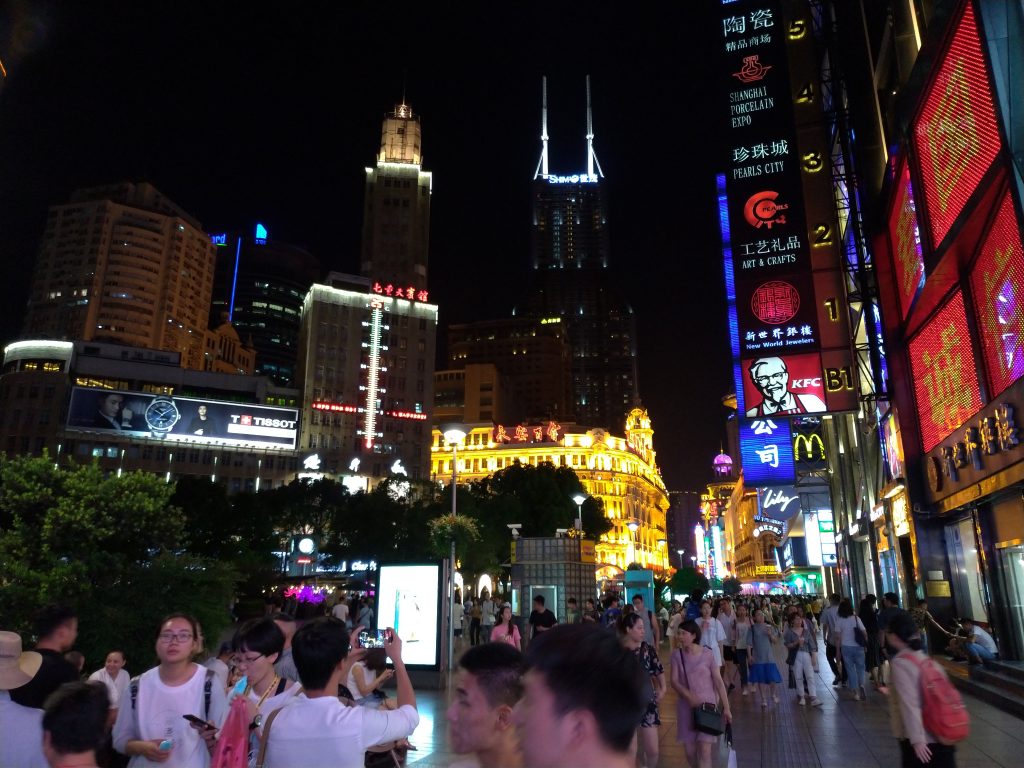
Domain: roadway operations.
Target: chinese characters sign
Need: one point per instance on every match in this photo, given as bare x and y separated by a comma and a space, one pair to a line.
766, 447
522, 433
945, 378
906, 243
409, 293
997, 286
956, 135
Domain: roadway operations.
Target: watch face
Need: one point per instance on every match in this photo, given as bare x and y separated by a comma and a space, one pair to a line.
162, 414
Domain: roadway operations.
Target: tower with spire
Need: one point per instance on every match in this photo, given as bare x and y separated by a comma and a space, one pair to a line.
570, 255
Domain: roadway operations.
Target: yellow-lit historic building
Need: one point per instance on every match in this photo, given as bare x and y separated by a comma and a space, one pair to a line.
621, 471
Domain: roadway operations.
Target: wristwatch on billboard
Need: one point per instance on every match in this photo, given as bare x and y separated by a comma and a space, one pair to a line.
161, 416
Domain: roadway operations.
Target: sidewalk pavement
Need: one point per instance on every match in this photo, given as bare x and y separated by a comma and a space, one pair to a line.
842, 733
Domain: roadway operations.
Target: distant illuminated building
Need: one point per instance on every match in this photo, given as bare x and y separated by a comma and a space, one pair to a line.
570, 255
621, 471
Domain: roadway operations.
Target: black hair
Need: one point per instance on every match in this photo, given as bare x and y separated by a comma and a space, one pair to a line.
902, 625
845, 608
197, 632
636, 596
50, 618
567, 655
693, 628
538, 599
891, 597
75, 716
317, 649
261, 636
376, 659
498, 669
572, 600
628, 621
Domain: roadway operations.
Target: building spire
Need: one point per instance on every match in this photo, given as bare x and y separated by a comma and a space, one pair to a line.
591, 155
542, 164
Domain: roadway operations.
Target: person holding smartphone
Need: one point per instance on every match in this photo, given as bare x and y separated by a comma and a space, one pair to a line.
151, 726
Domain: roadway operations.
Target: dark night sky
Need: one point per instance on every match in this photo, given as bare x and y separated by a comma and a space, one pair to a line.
245, 112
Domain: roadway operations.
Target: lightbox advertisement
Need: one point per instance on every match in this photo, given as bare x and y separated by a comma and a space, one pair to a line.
408, 599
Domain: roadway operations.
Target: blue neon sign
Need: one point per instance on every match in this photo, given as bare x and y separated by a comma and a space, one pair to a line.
261, 234
219, 240
766, 449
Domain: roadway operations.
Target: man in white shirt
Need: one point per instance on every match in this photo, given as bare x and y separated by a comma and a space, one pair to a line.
315, 728
340, 610
486, 617
979, 644
728, 621
22, 741
829, 617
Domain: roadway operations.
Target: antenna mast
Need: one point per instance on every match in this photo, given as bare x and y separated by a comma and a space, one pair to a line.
542, 165
591, 155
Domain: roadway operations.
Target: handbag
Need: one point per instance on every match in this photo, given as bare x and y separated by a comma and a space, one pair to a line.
860, 634
706, 717
791, 656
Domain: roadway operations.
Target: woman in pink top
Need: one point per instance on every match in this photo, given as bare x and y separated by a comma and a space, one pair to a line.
506, 631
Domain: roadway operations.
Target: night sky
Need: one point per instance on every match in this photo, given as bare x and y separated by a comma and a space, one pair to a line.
244, 112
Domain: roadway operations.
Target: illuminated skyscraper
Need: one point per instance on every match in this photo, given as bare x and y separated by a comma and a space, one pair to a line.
570, 256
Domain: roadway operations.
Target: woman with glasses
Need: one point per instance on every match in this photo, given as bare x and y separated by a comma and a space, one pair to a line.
151, 727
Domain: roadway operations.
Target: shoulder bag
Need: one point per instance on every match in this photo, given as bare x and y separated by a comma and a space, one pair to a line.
706, 717
261, 758
859, 633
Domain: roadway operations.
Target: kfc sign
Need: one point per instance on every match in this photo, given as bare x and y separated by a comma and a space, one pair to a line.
783, 386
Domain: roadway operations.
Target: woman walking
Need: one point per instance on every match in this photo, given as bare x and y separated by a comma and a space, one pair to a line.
151, 727
633, 631
872, 653
800, 639
695, 677
853, 652
506, 631
743, 641
763, 669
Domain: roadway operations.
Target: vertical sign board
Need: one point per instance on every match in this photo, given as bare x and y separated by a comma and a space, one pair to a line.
766, 448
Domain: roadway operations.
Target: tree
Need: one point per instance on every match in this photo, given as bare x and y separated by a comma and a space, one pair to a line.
689, 581
109, 546
731, 586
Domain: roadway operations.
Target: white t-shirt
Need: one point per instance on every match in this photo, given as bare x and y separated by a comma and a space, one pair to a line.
712, 635
159, 713
728, 622
844, 631
115, 686
22, 741
220, 670
323, 731
457, 613
340, 611
984, 639
360, 671
487, 612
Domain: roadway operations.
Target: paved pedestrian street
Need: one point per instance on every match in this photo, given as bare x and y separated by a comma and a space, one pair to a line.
842, 733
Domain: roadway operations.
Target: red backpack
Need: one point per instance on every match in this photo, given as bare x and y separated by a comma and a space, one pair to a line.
942, 708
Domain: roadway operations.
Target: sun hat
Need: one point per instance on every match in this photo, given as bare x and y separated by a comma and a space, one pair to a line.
16, 667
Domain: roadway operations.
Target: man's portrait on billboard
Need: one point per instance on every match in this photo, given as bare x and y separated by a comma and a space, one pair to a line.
770, 377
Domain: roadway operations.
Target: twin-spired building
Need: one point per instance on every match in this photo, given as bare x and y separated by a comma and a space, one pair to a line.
620, 471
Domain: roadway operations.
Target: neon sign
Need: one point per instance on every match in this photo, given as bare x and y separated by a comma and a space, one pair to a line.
406, 415
219, 240
323, 405
261, 234
576, 178
528, 434
398, 292
766, 447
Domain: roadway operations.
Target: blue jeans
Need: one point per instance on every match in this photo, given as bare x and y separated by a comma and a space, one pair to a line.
976, 651
853, 663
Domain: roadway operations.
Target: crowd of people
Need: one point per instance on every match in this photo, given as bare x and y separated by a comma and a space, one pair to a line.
310, 695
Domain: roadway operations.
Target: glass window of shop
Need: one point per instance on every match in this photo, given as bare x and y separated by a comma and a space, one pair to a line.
966, 576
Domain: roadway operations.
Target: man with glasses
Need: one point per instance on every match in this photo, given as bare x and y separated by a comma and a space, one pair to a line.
771, 377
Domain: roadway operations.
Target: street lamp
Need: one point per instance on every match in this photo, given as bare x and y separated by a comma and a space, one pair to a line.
680, 553
453, 435
633, 526
693, 559
579, 498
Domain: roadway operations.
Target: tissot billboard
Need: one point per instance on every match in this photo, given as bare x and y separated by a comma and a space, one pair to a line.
182, 419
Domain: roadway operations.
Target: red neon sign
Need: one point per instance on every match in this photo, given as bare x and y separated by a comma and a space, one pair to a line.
406, 415
522, 433
956, 134
997, 285
906, 242
945, 378
323, 405
410, 293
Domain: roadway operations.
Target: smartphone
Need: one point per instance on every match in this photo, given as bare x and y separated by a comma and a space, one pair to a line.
196, 720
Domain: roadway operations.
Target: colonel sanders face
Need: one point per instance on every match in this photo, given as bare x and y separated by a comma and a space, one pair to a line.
771, 378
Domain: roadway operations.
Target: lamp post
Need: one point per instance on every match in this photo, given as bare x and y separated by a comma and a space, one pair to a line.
693, 559
633, 525
579, 498
680, 553
453, 435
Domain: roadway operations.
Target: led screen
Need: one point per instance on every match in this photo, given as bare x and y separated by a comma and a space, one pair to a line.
945, 378
956, 135
906, 243
783, 385
766, 448
997, 285
182, 419
408, 599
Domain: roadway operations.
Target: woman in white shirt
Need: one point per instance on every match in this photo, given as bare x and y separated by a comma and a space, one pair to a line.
853, 652
151, 727
113, 675
367, 675
712, 633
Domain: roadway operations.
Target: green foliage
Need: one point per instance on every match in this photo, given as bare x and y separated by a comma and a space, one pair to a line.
731, 586
462, 528
107, 545
689, 581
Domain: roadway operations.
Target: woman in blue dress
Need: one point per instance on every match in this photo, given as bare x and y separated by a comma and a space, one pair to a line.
764, 672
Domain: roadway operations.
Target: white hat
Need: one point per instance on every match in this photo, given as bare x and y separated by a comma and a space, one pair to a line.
16, 667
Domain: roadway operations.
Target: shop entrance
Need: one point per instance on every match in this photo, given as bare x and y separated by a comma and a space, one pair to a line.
965, 566
1011, 570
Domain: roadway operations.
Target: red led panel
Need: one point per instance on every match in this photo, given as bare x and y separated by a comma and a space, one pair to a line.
906, 243
945, 378
997, 285
956, 135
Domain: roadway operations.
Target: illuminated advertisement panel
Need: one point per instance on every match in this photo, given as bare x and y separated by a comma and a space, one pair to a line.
766, 449
182, 419
956, 136
945, 378
409, 601
778, 503
783, 385
997, 286
778, 315
906, 243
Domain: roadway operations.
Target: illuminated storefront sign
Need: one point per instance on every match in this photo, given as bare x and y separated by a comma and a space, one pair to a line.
783, 385
142, 415
323, 405
522, 433
718, 565
945, 378
411, 415
576, 178
219, 240
956, 136
767, 525
778, 503
808, 445
766, 446
410, 293
997, 286
700, 545
906, 242
261, 235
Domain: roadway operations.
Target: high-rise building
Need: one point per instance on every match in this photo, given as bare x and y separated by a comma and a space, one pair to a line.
259, 286
570, 257
122, 263
367, 378
396, 211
